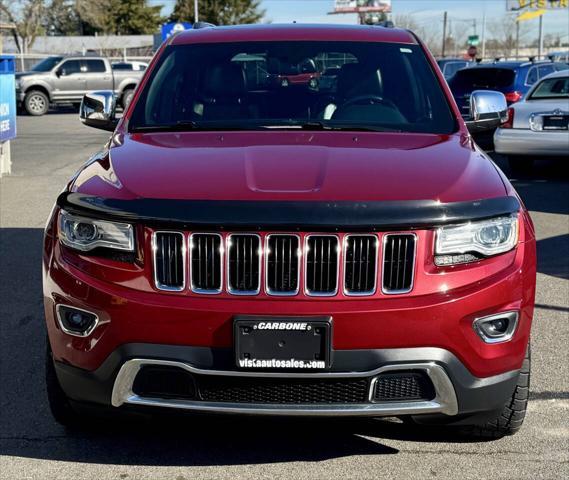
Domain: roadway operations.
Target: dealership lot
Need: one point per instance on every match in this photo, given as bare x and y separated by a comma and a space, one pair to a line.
46, 153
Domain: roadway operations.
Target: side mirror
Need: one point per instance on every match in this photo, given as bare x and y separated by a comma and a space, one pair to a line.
98, 110
488, 110
60, 72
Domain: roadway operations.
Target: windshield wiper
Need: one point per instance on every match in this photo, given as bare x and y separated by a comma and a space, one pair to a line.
184, 126
344, 127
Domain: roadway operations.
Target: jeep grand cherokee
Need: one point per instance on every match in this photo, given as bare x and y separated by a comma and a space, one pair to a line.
341, 248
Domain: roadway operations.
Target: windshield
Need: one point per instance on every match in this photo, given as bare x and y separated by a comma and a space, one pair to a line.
487, 78
314, 85
46, 64
551, 88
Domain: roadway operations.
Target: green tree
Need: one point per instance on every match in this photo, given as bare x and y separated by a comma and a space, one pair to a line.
119, 17
61, 18
228, 12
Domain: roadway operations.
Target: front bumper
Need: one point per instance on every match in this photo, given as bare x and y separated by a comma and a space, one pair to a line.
518, 141
458, 392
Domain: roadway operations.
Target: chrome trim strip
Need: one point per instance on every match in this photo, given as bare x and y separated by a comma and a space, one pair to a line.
298, 266
445, 400
87, 332
184, 252
384, 240
243, 292
376, 271
305, 265
512, 317
222, 253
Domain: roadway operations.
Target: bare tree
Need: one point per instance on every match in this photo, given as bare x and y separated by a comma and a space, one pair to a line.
427, 33
503, 31
27, 16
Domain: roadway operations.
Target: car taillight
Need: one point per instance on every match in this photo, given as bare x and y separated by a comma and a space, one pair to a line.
509, 123
513, 97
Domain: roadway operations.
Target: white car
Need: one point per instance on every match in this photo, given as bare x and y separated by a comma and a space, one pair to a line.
538, 125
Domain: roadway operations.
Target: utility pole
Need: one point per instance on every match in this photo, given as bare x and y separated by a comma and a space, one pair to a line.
444, 34
517, 40
196, 13
483, 33
540, 51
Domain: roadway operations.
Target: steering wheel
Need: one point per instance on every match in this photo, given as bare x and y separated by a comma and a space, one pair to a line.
369, 99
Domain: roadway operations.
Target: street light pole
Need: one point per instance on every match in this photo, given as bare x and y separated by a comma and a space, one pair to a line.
444, 34
196, 13
540, 51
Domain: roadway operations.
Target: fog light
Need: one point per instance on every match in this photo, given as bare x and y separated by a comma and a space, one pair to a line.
496, 328
75, 321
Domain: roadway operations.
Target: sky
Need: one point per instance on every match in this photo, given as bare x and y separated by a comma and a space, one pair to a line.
461, 13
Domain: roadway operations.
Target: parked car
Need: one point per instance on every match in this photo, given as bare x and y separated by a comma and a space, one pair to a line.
304, 73
56, 80
513, 79
449, 66
133, 66
242, 249
538, 125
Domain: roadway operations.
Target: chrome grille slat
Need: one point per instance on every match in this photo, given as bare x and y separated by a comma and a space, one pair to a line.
169, 254
398, 262
282, 268
244, 264
360, 264
322, 265
206, 254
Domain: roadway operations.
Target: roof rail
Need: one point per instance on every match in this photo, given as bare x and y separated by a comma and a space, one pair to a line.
199, 25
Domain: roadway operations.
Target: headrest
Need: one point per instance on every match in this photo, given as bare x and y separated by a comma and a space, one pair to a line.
224, 80
355, 79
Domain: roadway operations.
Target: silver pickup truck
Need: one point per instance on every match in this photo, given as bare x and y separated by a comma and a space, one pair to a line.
59, 79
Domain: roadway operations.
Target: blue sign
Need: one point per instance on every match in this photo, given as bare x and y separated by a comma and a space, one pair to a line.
175, 27
7, 98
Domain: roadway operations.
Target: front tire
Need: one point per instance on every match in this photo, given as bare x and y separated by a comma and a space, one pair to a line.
36, 103
511, 418
520, 165
59, 404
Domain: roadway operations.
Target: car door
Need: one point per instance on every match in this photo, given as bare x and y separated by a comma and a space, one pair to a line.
96, 74
69, 81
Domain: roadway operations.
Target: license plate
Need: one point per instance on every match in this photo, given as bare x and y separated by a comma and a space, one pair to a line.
282, 343
556, 122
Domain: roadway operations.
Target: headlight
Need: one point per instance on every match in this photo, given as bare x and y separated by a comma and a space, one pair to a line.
86, 234
461, 243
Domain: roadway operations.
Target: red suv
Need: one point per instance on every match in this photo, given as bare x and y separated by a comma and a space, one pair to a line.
343, 250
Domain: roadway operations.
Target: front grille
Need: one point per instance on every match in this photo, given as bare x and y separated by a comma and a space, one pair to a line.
360, 264
398, 262
236, 263
283, 391
205, 255
244, 264
283, 264
322, 264
403, 386
169, 260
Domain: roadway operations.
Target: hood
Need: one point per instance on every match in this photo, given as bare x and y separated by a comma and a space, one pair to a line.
26, 74
299, 166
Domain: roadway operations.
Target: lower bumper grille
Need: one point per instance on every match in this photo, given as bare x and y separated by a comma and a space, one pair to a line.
283, 391
176, 383
403, 387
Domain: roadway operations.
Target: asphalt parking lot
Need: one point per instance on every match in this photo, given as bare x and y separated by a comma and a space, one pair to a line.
46, 153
